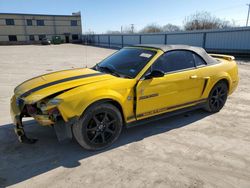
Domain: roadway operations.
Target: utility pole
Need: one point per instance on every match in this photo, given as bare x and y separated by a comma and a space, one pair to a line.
132, 28
121, 29
248, 14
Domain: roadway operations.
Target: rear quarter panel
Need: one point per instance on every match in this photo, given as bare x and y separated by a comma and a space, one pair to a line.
225, 69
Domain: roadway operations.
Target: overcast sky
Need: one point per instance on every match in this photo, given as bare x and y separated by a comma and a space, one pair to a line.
102, 15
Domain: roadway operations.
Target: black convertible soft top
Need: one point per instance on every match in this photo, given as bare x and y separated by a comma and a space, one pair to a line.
198, 50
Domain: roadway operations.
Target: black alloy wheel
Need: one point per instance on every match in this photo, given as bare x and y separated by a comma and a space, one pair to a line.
99, 127
217, 97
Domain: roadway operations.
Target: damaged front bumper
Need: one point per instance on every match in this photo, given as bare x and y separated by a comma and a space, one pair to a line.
18, 110
15, 112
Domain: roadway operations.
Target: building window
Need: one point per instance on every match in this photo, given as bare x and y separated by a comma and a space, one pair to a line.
40, 22
75, 37
12, 38
73, 22
10, 22
29, 22
32, 37
41, 37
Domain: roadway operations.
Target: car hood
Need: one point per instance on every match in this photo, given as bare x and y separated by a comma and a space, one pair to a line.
48, 84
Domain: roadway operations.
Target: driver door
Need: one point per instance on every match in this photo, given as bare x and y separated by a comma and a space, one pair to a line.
179, 86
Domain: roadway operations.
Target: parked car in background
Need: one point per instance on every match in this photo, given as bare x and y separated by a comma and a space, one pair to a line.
57, 40
134, 85
45, 41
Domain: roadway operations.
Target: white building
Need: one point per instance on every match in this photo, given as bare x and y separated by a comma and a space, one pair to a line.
31, 28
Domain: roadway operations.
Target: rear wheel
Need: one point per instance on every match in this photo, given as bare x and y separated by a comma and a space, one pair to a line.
217, 97
99, 127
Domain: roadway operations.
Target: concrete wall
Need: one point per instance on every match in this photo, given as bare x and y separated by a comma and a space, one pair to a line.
59, 25
234, 40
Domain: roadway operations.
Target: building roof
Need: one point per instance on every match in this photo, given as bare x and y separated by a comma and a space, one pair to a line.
24, 14
198, 50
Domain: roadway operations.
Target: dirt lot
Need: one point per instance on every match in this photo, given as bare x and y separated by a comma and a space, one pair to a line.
190, 150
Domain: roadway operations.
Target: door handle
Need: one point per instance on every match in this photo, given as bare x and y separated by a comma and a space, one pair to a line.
193, 77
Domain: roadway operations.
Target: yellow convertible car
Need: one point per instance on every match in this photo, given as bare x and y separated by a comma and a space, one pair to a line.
134, 85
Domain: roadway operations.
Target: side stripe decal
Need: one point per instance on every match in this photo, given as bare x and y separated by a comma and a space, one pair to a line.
166, 108
58, 82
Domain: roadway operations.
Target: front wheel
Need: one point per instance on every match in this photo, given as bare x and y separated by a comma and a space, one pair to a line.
99, 127
217, 97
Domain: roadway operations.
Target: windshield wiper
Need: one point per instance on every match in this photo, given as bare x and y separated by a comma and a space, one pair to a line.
127, 76
108, 70
111, 71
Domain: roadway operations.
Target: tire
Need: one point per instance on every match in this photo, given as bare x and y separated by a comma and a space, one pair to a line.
217, 97
98, 127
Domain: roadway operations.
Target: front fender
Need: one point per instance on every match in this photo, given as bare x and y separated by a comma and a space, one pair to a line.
76, 101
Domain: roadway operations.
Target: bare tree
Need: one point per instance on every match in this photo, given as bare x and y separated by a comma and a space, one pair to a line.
170, 28
151, 28
204, 20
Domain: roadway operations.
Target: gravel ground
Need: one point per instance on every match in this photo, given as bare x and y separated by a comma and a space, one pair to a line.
197, 149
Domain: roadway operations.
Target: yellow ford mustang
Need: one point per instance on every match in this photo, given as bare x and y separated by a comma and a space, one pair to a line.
131, 86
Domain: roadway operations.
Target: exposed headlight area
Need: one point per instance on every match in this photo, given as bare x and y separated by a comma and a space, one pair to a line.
54, 102
47, 104
42, 105
44, 111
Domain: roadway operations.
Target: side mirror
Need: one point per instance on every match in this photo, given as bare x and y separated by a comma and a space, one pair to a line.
155, 74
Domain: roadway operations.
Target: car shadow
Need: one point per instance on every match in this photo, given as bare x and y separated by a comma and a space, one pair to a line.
20, 162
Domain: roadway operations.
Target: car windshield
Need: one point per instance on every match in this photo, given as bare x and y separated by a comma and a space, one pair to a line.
127, 62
